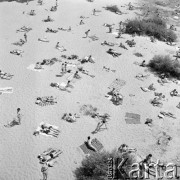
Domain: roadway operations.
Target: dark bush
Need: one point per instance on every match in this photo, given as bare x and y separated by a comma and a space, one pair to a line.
95, 167
155, 27
113, 8
164, 64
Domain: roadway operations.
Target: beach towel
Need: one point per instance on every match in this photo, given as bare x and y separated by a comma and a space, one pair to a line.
96, 143
117, 84
6, 90
132, 118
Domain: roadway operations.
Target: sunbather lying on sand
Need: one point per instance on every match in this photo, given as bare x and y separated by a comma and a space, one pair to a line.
113, 53
70, 117
62, 86
156, 102
167, 114
89, 144
45, 99
85, 72
131, 43
125, 149
24, 29
17, 52
141, 76
61, 48
87, 59
4, 75
108, 69
43, 39
47, 129
73, 57
49, 155
51, 30
63, 29
20, 42
122, 46
107, 43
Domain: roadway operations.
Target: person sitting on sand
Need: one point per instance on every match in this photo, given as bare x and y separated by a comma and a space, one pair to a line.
89, 144
117, 98
172, 27
38, 65
107, 43
48, 19
76, 75
174, 92
178, 106
151, 87
87, 33
81, 22
110, 29
152, 39
143, 64
148, 122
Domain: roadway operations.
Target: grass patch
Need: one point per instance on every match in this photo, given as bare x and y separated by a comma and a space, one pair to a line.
164, 64
113, 8
154, 26
95, 167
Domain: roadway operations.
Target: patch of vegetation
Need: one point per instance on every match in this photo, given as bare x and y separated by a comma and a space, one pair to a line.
164, 64
154, 26
95, 167
113, 8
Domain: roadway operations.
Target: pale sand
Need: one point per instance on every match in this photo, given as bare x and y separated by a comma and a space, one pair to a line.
19, 148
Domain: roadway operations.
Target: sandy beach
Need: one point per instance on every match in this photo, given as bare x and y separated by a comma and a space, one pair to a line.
18, 147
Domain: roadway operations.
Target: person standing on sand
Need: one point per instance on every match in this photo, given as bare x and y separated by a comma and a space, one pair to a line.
44, 171
25, 37
94, 12
110, 29
87, 32
62, 68
19, 116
